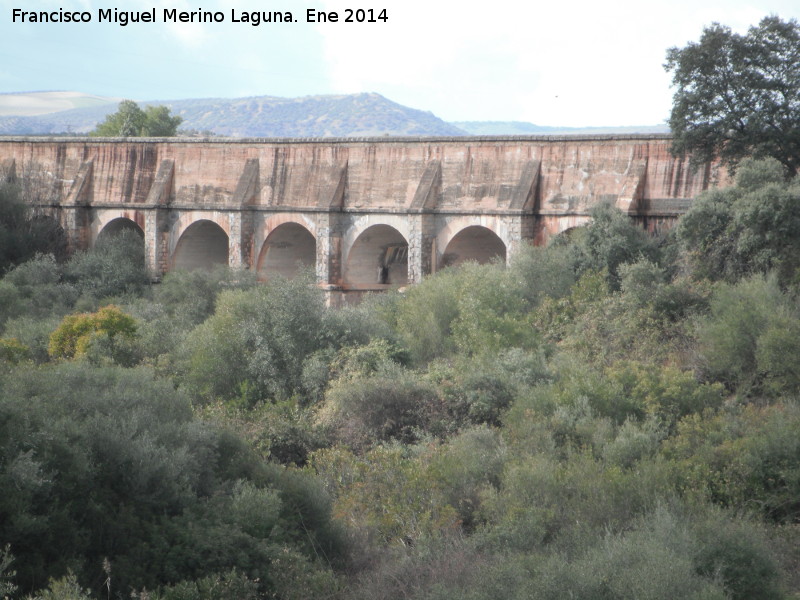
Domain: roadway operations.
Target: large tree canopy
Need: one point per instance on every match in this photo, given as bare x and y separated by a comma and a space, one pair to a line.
131, 121
739, 95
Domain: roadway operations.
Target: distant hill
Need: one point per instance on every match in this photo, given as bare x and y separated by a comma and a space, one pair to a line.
523, 128
28, 104
354, 115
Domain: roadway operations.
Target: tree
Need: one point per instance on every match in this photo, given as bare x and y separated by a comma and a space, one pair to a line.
131, 121
608, 242
750, 227
739, 95
22, 234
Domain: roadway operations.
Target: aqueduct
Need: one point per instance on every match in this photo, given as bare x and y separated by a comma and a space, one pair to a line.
364, 214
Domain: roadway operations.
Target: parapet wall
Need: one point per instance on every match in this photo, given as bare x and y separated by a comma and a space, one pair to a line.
470, 173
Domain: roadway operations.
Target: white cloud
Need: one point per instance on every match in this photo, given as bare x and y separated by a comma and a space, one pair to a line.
579, 63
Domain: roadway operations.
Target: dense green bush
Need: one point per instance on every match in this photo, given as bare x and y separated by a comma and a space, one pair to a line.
110, 464
113, 267
598, 419
737, 339
254, 346
752, 227
609, 241
22, 235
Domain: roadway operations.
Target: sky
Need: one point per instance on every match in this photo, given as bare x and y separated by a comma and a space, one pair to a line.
571, 63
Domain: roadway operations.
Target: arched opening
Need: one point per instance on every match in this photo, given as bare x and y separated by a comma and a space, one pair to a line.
49, 236
288, 249
117, 226
203, 245
126, 236
379, 257
473, 243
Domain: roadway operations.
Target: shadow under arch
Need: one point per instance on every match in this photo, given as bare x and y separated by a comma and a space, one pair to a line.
116, 227
378, 258
289, 249
203, 245
473, 243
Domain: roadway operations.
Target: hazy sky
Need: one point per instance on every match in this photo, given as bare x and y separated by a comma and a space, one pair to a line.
554, 62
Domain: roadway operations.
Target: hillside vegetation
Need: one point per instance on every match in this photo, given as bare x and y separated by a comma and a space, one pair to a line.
613, 416
353, 115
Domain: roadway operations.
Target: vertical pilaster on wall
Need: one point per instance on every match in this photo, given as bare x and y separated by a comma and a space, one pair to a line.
420, 244
156, 228
75, 222
240, 239
329, 249
242, 223
422, 226
156, 221
76, 213
521, 231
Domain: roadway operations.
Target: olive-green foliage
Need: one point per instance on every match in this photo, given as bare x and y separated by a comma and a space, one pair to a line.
747, 458
745, 339
113, 267
386, 494
543, 272
226, 586
64, 588
7, 586
544, 499
630, 566
443, 567
668, 552
389, 405
254, 346
34, 334
736, 552
78, 332
735, 93
132, 121
282, 432
35, 289
647, 288
190, 296
109, 463
21, 235
622, 391
478, 389
751, 227
13, 351
609, 241
472, 309
177, 305
467, 466
647, 320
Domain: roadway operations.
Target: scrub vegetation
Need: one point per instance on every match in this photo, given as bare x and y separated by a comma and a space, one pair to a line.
611, 416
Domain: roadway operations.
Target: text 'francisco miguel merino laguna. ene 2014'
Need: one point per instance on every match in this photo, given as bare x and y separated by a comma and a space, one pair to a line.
173, 15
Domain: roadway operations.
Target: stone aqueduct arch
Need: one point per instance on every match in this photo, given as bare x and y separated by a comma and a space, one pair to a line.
366, 213
374, 248
284, 244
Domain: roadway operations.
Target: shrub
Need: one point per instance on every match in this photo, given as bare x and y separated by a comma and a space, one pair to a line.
393, 405
77, 332
740, 315
114, 267
254, 346
13, 351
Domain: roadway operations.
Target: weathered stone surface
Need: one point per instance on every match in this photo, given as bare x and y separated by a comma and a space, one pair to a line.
360, 199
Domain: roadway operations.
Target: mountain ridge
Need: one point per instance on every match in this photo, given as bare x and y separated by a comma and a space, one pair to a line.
365, 114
